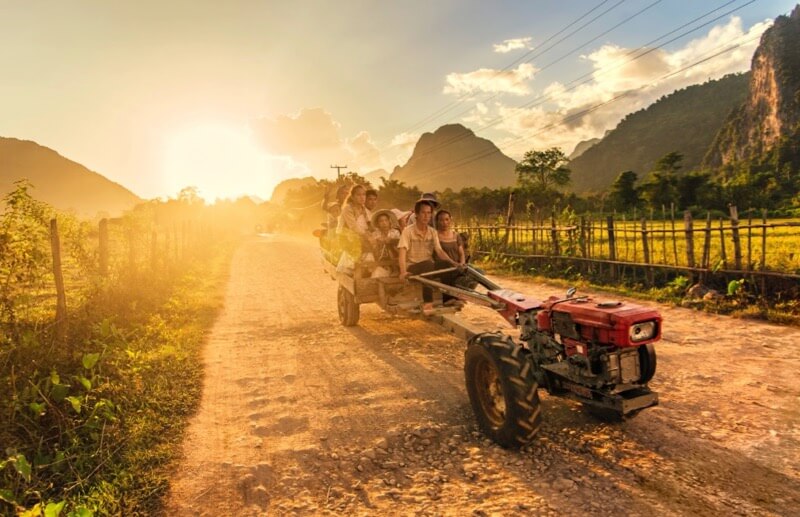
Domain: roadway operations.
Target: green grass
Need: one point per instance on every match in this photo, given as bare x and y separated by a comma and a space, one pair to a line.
101, 440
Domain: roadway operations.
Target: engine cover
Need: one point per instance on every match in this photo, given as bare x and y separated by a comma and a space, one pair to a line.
590, 320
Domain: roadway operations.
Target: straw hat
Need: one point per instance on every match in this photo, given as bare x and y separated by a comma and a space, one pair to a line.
390, 213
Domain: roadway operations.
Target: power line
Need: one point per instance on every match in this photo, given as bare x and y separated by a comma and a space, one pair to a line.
564, 56
593, 74
483, 154
460, 100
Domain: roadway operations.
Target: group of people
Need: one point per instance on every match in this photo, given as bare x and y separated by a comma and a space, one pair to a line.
421, 241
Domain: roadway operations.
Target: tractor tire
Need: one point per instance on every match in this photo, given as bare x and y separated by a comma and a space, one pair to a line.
502, 389
349, 310
647, 360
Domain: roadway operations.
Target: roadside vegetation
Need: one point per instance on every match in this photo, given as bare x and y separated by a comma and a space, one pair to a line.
93, 406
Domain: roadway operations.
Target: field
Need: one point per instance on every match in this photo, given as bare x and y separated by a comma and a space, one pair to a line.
762, 245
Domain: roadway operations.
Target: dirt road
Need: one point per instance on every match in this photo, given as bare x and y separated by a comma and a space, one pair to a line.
303, 416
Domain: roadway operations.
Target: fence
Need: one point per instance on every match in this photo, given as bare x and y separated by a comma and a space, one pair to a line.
52, 265
653, 250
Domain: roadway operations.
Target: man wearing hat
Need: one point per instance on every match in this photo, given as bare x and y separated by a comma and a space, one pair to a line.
418, 244
430, 198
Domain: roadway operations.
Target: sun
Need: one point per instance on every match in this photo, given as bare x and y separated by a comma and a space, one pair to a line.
221, 160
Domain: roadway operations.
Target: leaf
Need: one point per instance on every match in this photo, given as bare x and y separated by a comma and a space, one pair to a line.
87, 384
34, 511
54, 509
81, 511
59, 391
76, 404
37, 408
105, 328
23, 467
89, 360
7, 496
54, 378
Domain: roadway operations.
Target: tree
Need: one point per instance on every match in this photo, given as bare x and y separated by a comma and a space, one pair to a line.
695, 189
541, 175
661, 188
623, 195
395, 193
543, 170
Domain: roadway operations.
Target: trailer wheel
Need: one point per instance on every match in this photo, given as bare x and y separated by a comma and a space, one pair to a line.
349, 310
502, 390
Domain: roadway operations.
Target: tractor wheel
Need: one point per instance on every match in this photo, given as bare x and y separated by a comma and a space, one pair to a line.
647, 360
502, 389
348, 308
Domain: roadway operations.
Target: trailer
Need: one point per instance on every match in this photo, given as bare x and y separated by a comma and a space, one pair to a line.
599, 353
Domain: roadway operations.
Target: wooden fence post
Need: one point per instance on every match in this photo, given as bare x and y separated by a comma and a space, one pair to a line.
706, 243
103, 249
763, 251
646, 250
723, 253
612, 246
737, 247
664, 234
706, 248
554, 234
509, 218
582, 237
750, 240
674, 235
61, 295
688, 228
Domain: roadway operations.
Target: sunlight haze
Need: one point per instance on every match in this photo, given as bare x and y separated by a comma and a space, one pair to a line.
234, 97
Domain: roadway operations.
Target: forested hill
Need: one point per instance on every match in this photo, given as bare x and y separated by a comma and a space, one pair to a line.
685, 121
60, 182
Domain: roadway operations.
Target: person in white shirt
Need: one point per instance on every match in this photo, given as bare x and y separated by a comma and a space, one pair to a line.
418, 245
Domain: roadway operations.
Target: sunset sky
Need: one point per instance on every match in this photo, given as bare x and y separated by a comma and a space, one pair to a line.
233, 97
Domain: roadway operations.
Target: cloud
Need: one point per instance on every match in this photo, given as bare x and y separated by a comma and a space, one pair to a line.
492, 81
564, 114
364, 151
312, 138
512, 44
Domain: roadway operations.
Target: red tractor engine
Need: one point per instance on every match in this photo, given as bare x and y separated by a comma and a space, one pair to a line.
598, 352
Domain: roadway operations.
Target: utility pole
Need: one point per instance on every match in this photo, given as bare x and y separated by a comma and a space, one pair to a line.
338, 169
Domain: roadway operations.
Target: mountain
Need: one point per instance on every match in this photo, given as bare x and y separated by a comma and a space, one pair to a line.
60, 182
583, 146
283, 188
374, 177
453, 157
771, 111
684, 121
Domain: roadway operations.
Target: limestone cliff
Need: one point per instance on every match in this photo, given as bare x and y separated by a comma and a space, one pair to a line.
772, 108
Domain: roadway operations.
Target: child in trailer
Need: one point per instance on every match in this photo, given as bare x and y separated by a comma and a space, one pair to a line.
384, 241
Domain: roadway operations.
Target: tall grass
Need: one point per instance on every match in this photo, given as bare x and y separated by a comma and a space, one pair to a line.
88, 425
